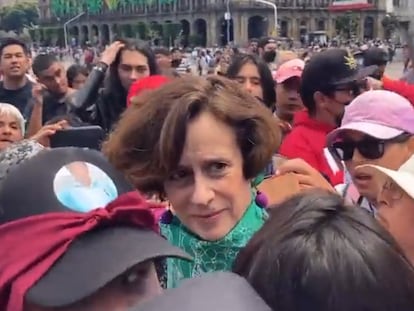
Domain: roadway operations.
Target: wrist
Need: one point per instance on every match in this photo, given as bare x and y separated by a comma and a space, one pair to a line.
101, 66
37, 101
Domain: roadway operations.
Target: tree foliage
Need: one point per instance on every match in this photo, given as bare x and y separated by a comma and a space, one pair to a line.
17, 17
171, 32
347, 25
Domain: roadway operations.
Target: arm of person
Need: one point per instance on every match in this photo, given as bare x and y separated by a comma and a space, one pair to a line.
307, 176
87, 95
36, 115
399, 87
85, 98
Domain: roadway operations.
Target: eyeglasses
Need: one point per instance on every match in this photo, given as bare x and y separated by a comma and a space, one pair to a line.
370, 148
392, 191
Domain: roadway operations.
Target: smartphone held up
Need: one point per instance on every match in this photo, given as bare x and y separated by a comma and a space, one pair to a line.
83, 137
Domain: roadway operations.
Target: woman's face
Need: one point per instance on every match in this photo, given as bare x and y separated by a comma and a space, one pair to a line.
79, 81
10, 130
249, 78
395, 154
208, 191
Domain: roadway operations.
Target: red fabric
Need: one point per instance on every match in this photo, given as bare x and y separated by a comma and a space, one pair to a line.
400, 87
148, 83
307, 141
89, 56
30, 246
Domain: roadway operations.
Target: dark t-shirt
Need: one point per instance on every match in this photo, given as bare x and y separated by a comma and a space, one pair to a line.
19, 98
53, 107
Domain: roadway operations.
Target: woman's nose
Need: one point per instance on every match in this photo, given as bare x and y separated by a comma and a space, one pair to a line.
202, 193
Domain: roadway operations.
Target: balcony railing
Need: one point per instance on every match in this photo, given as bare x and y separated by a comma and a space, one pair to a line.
131, 10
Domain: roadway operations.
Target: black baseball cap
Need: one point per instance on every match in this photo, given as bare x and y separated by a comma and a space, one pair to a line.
331, 68
375, 56
219, 291
54, 180
45, 180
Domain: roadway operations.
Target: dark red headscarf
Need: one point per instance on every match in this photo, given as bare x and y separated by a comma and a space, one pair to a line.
30, 246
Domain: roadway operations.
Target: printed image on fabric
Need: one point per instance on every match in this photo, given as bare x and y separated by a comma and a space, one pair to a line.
82, 187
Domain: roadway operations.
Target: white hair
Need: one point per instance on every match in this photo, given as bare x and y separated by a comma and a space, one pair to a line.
10, 110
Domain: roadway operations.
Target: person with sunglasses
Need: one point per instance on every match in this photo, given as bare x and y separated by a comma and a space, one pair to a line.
330, 81
378, 129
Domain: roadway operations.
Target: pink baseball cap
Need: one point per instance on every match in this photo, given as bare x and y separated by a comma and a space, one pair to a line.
380, 114
290, 69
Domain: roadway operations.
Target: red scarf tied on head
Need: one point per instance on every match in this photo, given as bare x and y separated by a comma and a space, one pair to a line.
30, 246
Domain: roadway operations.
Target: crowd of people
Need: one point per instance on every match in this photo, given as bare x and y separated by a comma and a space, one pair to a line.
257, 179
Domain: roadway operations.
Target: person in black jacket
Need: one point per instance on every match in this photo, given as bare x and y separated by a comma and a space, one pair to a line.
126, 61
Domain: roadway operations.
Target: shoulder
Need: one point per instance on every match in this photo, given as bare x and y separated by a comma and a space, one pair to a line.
296, 139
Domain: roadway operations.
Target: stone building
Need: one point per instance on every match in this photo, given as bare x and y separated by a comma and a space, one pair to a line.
206, 18
404, 10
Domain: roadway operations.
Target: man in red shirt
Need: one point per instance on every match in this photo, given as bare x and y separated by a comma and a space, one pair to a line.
330, 81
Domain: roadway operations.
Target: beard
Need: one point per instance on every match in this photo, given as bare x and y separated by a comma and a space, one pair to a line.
269, 56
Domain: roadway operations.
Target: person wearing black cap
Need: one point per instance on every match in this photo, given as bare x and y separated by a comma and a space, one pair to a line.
330, 80
378, 57
56, 258
219, 291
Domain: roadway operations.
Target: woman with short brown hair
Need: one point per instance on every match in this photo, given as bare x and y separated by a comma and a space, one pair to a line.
200, 143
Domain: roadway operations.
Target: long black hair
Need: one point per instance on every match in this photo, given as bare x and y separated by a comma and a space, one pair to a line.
266, 79
113, 83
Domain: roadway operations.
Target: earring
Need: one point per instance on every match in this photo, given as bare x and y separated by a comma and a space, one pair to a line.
261, 199
167, 217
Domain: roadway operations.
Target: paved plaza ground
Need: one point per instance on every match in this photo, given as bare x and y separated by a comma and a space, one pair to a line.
394, 70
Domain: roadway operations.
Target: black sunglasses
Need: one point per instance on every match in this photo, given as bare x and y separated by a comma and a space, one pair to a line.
354, 86
370, 148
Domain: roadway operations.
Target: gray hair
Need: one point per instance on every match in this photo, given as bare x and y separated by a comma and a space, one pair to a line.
17, 153
10, 110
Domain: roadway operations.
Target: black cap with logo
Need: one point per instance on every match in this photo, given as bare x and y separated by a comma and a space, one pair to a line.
329, 69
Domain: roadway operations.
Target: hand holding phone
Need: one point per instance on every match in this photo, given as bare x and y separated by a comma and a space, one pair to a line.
83, 137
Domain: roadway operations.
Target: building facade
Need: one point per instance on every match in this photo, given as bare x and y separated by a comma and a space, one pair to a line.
205, 19
404, 10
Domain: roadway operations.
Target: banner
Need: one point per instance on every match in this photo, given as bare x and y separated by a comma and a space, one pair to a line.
73, 7
345, 5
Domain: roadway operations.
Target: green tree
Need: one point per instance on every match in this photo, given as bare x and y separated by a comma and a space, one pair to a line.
195, 40
347, 25
126, 31
142, 30
17, 17
171, 32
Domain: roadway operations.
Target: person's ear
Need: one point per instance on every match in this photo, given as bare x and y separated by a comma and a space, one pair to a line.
320, 100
